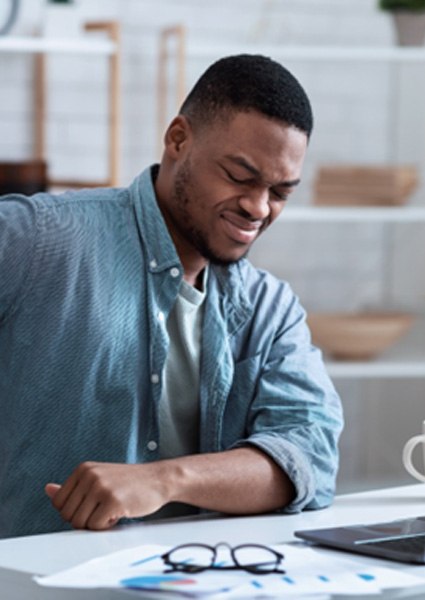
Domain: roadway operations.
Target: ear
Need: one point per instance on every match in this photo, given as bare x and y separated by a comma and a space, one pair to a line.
177, 137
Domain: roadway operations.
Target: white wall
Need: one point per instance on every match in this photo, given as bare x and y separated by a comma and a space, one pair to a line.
365, 112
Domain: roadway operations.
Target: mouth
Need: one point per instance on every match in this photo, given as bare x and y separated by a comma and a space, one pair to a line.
239, 229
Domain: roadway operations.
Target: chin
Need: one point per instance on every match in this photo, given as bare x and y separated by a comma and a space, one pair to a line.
223, 261
215, 255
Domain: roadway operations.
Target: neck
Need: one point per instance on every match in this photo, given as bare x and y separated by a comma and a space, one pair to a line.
195, 278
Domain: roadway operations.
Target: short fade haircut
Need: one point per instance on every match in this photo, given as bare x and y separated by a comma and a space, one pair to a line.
244, 83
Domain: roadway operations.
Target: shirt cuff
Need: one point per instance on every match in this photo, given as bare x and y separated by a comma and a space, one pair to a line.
292, 461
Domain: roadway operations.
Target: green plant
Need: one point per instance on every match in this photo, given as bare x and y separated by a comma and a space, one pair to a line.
408, 5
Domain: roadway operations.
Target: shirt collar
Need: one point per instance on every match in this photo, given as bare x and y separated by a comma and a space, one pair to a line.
161, 252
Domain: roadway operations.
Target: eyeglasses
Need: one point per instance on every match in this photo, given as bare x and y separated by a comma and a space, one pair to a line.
195, 558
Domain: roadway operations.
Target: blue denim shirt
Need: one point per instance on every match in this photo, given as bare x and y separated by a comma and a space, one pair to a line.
83, 278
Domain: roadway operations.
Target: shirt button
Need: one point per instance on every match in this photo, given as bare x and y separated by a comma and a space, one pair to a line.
152, 445
155, 378
153, 264
161, 316
174, 272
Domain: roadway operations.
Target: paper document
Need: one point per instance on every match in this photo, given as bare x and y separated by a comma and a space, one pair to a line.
308, 573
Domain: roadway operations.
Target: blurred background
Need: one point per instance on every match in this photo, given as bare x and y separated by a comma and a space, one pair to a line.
92, 104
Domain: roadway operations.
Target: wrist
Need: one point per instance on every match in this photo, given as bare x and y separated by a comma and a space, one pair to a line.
171, 476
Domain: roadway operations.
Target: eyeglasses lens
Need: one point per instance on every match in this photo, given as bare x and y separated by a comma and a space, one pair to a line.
192, 557
256, 558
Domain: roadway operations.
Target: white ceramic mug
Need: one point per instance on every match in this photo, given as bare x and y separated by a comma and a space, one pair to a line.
407, 454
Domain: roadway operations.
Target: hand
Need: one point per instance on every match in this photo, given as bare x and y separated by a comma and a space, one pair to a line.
97, 495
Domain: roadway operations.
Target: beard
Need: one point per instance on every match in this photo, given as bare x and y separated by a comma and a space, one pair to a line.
183, 198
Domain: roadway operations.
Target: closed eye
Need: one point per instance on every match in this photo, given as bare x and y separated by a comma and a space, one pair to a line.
280, 196
275, 192
235, 179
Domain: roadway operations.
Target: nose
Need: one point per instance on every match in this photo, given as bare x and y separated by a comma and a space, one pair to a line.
255, 202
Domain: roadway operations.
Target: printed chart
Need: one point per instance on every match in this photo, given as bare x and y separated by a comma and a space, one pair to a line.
307, 572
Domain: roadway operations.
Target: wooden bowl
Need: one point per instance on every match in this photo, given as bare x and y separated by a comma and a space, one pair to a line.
357, 336
27, 177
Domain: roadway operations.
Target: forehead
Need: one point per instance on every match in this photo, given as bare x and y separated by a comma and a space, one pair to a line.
274, 148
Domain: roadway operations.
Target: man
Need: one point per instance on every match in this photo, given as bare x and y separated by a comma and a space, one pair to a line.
143, 360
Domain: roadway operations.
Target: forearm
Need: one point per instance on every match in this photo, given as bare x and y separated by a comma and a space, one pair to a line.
240, 481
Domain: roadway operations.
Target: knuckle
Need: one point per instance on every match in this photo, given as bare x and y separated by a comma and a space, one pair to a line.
66, 514
57, 502
87, 473
100, 489
78, 523
96, 526
84, 467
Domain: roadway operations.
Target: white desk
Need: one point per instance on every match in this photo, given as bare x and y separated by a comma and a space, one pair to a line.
20, 558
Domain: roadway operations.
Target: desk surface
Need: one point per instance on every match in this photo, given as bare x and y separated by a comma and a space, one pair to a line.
20, 558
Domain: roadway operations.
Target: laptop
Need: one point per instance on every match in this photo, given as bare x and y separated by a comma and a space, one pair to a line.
402, 540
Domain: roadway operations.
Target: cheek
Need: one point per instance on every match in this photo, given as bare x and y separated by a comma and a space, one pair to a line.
204, 201
207, 192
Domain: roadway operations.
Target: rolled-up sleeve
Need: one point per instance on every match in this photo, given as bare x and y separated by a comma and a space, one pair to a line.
295, 415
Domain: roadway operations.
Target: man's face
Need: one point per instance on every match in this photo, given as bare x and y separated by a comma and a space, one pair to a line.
230, 183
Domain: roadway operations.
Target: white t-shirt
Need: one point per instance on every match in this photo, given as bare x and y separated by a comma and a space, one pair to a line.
179, 404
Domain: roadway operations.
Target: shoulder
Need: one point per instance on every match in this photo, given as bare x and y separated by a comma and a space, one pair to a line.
16, 207
26, 208
83, 213
18, 223
81, 199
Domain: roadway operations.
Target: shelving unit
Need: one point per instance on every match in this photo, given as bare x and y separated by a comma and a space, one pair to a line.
84, 45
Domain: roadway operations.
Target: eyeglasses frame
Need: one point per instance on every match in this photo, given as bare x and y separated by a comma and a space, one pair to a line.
254, 569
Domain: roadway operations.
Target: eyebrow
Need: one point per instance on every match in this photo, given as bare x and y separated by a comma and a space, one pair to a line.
242, 162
